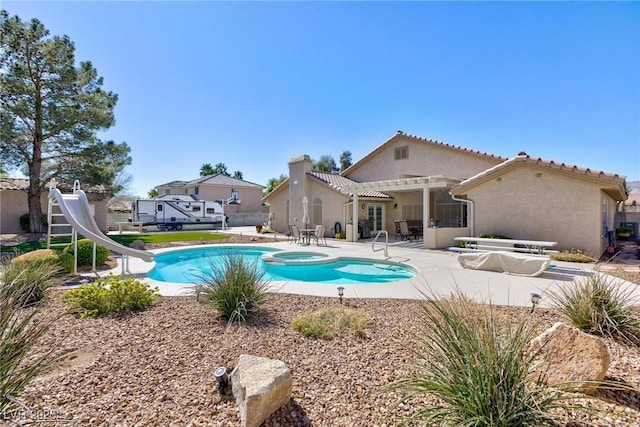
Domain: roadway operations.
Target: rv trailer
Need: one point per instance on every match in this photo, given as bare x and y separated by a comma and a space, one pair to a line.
173, 214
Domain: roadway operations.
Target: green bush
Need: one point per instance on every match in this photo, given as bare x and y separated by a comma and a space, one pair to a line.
66, 261
493, 236
24, 222
111, 295
20, 332
600, 305
341, 235
327, 323
85, 252
34, 273
573, 256
63, 260
480, 373
236, 288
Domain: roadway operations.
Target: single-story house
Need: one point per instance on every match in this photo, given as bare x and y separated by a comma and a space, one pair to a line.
239, 196
453, 192
13, 203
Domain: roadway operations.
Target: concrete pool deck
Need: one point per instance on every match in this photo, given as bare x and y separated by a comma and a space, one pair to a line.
440, 274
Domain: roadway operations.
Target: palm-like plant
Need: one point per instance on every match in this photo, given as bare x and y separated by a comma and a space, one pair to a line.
21, 328
479, 373
235, 287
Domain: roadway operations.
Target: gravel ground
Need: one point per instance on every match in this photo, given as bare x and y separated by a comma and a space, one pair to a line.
155, 368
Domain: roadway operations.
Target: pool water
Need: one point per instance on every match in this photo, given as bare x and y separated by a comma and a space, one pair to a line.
188, 265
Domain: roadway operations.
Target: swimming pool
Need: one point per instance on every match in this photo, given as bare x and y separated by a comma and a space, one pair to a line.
187, 265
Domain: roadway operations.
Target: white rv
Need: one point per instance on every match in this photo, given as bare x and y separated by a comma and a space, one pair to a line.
173, 213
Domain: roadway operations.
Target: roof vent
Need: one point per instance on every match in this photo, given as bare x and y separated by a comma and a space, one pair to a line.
522, 153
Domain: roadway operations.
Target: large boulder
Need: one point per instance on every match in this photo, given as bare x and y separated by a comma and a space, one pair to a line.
565, 353
261, 386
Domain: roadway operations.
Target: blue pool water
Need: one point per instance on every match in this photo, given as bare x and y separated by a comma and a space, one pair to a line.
187, 265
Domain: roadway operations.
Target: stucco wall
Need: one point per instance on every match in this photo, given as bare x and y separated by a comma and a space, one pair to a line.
424, 159
539, 204
13, 204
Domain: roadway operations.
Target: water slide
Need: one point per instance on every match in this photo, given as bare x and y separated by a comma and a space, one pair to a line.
76, 210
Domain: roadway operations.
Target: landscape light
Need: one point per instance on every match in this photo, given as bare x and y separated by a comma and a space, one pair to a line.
223, 379
535, 300
340, 293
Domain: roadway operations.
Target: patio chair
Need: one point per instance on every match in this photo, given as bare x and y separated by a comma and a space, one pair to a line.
405, 234
397, 224
319, 235
295, 234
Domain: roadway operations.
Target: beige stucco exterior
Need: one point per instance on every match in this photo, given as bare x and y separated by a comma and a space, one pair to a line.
521, 197
219, 187
13, 204
537, 201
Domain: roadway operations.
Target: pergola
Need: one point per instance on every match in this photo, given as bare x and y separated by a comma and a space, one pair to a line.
421, 183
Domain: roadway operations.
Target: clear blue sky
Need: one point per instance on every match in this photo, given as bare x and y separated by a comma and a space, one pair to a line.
252, 84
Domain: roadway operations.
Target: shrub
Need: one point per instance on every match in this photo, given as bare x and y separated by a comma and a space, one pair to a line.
85, 252
24, 222
493, 236
327, 323
19, 334
111, 295
33, 273
573, 256
599, 305
341, 235
479, 373
236, 287
64, 261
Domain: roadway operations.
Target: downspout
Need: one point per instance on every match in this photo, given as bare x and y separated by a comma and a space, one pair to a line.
470, 216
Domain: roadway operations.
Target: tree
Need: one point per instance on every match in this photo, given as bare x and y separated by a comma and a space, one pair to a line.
221, 169
237, 175
345, 160
325, 164
273, 183
153, 193
206, 170
51, 111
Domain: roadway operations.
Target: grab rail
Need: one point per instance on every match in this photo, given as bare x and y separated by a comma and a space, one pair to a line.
386, 243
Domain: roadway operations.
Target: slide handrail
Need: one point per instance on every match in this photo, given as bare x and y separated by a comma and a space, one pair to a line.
75, 208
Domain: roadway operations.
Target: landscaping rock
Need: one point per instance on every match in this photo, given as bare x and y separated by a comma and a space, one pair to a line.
137, 244
261, 386
567, 354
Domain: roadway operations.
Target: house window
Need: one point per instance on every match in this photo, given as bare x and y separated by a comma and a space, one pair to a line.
317, 211
166, 191
402, 153
449, 212
196, 190
411, 212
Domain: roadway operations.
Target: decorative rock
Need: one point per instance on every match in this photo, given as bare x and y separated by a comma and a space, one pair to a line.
137, 244
261, 386
565, 353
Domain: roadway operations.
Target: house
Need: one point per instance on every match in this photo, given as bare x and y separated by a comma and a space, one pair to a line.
13, 203
460, 192
239, 196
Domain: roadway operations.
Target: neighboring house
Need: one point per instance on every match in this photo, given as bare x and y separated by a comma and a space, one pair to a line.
13, 203
463, 192
238, 196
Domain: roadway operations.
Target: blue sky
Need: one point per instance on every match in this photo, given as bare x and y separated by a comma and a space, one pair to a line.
252, 84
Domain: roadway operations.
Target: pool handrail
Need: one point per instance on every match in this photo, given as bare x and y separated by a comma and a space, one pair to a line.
386, 243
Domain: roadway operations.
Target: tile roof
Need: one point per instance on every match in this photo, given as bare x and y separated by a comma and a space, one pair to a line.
220, 179
523, 158
400, 134
339, 183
